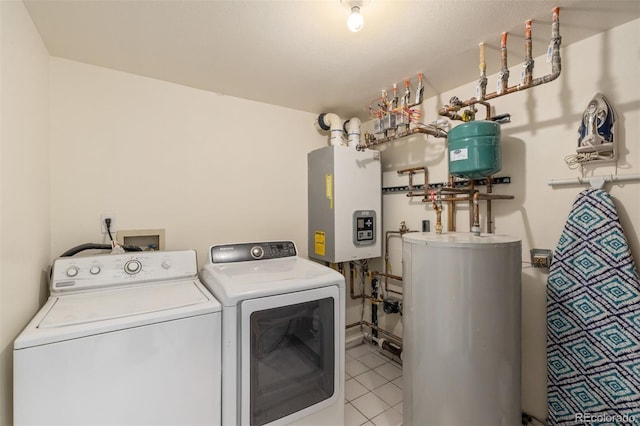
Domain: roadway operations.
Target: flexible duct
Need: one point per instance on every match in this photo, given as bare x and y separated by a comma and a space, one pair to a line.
333, 123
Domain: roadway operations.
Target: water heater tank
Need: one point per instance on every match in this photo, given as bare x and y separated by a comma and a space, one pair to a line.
461, 329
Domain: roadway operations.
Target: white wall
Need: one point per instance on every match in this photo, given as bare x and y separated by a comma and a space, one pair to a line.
205, 167
211, 168
543, 131
24, 183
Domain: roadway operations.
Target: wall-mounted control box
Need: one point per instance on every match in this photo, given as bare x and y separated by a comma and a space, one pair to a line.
364, 227
345, 199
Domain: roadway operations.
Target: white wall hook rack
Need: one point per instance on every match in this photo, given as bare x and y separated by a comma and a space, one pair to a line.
594, 181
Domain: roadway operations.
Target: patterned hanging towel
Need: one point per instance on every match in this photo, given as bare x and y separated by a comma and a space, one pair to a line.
593, 320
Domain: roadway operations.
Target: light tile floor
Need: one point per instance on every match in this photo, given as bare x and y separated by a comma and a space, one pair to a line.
373, 390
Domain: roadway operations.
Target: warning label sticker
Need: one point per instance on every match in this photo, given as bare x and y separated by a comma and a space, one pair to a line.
320, 243
459, 154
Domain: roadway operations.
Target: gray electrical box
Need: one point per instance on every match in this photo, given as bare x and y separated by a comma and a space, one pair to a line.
345, 199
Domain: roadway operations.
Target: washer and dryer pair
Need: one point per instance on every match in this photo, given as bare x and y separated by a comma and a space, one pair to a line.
137, 339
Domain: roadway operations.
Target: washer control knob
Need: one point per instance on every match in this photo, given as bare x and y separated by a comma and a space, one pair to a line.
166, 264
72, 271
257, 252
95, 270
132, 267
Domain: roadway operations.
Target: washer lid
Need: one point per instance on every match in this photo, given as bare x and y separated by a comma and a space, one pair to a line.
84, 314
83, 308
234, 282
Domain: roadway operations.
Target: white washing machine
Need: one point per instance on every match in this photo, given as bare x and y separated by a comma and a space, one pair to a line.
283, 335
126, 339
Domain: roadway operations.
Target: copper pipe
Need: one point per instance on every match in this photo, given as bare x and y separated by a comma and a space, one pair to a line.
403, 230
353, 324
528, 63
410, 183
555, 60
472, 185
474, 221
453, 190
556, 68
556, 40
433, 131
383, 331
450, 114
469, 194
481, 196
383, 274
450, 111
419, 91
451, 224
394, 99
504, 71
351, 288
375, 327
387, 235
399, 293
489, 214
437, 205
406, 99
411, 172
482, 82
475, 229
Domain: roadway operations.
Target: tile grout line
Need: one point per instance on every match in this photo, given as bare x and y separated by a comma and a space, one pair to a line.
357, 353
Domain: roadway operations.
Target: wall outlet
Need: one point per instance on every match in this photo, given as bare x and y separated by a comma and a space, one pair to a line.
103, 225
541, 258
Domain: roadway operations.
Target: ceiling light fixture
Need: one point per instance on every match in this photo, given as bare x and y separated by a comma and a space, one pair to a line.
355, 21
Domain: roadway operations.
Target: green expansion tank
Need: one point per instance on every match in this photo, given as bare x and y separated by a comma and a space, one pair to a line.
474, 149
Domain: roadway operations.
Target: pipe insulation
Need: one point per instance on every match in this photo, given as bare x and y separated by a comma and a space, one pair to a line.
332, 123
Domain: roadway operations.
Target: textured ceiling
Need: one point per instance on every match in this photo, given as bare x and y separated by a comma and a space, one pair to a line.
300, 54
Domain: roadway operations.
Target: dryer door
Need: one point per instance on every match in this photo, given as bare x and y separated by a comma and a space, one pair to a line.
289, 355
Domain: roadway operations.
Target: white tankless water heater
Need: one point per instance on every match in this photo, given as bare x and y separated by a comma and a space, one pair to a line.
345, 199
461, 318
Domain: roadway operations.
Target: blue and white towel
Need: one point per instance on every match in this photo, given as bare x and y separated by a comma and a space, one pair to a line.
593, 320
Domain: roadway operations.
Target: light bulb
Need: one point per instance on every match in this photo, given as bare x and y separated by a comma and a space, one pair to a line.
355, 21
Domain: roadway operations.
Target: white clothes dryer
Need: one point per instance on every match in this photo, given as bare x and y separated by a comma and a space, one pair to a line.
283, 326
123, 339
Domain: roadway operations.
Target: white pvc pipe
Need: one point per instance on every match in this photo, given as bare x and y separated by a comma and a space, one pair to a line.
594, 181
353, 132
335, 128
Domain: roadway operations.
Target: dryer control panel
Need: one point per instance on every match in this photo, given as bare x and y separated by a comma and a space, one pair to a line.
245, 252
108, 270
